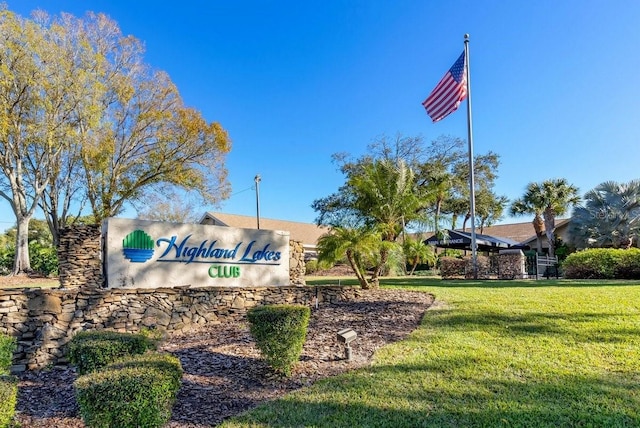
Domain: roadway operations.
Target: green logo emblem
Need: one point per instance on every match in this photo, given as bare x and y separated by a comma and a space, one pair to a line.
137, 246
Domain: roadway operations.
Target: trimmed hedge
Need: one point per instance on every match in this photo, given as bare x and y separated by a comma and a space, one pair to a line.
155, 360
280, 332
452, 267
92, 350
603, 263
136, 392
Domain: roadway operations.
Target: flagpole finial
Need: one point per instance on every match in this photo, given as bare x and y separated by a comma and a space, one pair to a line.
466, 36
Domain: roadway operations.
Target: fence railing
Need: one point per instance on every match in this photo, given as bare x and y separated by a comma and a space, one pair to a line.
546, 266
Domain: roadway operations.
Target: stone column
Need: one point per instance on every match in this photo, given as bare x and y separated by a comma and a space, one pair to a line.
80, 257
297, 268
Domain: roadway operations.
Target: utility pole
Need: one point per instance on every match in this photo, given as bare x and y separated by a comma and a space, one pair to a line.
257, 180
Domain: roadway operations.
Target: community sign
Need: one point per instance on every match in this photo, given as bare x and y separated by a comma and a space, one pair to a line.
149, 254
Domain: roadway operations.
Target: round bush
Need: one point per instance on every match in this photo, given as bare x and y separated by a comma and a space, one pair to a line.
280, 332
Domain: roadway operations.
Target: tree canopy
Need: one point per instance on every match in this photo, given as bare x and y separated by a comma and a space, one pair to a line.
608, 217
549, 199
85, 122
403, 182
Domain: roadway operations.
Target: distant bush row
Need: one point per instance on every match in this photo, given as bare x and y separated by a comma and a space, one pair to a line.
603, 263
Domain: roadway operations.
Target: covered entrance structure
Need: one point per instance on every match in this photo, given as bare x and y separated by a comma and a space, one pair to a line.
460, 240
503, 257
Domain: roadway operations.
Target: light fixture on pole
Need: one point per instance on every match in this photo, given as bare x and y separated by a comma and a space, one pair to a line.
257, 180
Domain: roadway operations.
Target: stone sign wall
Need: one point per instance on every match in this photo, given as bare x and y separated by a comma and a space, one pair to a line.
80, 258
43, 321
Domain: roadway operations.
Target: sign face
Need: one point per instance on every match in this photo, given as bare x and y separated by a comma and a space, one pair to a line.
446, 241
149, 254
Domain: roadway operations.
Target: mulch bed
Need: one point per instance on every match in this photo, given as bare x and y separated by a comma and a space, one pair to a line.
223, 372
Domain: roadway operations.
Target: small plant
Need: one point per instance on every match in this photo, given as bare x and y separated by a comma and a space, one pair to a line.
280, 332
138, 391
91, 350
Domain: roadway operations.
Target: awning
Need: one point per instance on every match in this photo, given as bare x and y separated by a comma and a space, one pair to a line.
460, 240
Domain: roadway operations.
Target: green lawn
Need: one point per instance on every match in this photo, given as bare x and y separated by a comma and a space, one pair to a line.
493, 354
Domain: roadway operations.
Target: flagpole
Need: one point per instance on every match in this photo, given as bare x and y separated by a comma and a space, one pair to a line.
472, 191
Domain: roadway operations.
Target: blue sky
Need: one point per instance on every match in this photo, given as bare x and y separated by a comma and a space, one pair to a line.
296, 81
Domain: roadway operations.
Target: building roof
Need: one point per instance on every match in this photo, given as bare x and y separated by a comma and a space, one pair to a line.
518, 232
307, 233
522, 233
462, 240
561, 226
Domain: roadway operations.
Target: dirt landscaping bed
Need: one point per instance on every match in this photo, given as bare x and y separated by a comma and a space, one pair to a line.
223, 372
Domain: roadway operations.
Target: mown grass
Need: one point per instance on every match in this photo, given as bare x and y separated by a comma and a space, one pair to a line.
490, 354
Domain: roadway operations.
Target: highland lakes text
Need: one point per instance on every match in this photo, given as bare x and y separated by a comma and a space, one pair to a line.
207, 252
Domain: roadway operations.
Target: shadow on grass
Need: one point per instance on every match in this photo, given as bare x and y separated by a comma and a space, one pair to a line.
415, 396
580, 326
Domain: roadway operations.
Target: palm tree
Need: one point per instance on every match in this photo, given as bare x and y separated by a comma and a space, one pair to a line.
610, 216
548, 199
385, 196
356, 244
417, 252
524, 206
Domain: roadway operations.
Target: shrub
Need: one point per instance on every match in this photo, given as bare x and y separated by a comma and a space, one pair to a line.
7, 347
280, 332
628, 266
168, 363
7, 256
8, 399
451, 267
135, 392
483, 265
595, 263
44, 259
91, 350
311, 267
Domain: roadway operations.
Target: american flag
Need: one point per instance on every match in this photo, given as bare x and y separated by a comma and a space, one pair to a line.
449, 92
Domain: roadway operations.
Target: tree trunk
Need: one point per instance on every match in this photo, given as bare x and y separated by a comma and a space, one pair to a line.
413, 268
375, 276
436, 216
549, 230
21, 263
356, 269
538, 226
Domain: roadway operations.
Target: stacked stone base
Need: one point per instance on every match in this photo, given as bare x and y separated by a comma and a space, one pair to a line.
43, 321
